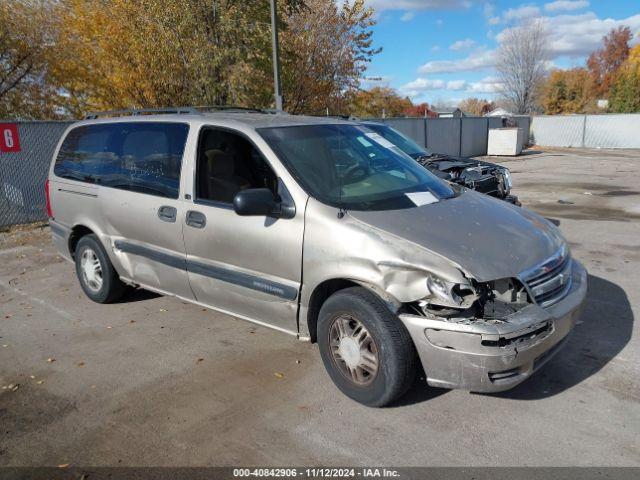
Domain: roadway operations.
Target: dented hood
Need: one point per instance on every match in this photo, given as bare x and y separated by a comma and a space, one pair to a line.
486, 238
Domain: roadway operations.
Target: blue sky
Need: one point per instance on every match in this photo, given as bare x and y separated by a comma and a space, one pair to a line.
443, 49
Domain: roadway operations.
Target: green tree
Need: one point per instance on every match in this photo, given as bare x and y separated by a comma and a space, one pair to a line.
625, 92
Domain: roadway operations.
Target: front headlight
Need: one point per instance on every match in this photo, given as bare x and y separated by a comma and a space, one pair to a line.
442, 291
506, 174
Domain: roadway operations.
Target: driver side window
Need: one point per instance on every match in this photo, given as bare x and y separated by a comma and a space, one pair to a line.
228, 163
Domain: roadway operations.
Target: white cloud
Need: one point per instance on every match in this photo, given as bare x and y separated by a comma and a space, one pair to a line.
565, 5
380, 5
456, 84
476, 61
493, 20
407, 16
435, 48
486, 85
465, 44
579, 35
421, 85
439, 22
520, 13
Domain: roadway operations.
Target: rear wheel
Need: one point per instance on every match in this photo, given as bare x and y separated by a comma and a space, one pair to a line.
96, 274
365, 348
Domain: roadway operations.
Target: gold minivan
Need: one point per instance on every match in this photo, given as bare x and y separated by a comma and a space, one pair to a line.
320, 228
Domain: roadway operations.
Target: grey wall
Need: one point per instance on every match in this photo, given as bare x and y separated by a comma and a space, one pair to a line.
460, 137
589, 131
475, 133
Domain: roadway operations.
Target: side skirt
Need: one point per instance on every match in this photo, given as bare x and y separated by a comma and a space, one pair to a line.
211, 307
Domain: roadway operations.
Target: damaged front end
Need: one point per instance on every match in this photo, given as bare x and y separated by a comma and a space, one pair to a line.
484, 177
490, 336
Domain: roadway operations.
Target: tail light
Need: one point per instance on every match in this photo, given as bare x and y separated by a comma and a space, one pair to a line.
48, 199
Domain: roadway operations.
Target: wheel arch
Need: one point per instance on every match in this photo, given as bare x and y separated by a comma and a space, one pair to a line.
77, 232
328, 287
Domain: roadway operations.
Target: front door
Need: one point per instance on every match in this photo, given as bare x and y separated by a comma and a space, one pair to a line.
246, 266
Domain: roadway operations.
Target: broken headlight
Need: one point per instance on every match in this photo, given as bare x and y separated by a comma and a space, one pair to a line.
448, 294
506, 177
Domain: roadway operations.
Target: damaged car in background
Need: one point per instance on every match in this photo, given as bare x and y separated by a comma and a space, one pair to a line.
484, 177
383, 264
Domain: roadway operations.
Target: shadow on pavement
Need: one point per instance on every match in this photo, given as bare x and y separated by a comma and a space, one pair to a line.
603, 330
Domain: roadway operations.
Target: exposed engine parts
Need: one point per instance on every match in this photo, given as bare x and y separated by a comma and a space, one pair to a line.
484, 177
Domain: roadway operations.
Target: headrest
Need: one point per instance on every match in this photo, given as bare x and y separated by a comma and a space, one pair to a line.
221, 164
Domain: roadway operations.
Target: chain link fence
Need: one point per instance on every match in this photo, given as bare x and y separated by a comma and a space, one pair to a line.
23, 173
587, 131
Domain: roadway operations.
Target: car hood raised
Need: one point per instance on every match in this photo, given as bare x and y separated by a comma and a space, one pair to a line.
485, 237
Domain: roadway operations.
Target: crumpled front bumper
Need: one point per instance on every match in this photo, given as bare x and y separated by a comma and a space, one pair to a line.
484, 357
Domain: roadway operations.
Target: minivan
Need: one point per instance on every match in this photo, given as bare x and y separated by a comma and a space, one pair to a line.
320, 228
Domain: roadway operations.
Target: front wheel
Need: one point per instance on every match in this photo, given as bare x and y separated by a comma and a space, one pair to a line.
365, 348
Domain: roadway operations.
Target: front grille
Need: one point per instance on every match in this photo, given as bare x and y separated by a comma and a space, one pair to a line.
549, 282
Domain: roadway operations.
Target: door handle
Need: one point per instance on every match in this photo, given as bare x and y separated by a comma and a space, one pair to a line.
196, 219
167, 214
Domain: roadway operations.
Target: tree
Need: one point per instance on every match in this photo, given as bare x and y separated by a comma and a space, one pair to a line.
605, 62
151, 53
476, 106
420, 110
25, 39
520, 62
379, 102
567, 91
625, 92
113, 54
325, 51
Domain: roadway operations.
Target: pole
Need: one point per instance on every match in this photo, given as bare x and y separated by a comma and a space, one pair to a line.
276, 56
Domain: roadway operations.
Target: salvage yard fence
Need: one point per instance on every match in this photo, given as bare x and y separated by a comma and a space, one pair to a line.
587, 131
459, 136
23, 173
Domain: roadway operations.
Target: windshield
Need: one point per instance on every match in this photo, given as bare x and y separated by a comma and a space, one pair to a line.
354, 168
403, 142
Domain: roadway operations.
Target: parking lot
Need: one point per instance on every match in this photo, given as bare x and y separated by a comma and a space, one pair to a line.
157, 381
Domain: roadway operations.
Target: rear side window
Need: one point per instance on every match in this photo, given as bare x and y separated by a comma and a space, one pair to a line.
144, 157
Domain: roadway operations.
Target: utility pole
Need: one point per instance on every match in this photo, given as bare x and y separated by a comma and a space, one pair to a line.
276, 56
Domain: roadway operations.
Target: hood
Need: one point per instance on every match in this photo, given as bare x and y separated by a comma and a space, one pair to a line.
486, 238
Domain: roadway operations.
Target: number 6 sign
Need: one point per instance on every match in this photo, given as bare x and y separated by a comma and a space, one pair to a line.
9, 140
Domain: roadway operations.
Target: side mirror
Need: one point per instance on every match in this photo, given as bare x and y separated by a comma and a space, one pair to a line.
255, 202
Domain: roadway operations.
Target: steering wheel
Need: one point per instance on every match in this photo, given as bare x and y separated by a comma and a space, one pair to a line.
355, 173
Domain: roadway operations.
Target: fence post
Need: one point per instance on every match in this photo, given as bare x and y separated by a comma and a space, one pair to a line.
460, 138
486, 144
426, 143
584, 129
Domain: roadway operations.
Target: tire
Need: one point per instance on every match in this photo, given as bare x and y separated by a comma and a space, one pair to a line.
350, 364
103, 286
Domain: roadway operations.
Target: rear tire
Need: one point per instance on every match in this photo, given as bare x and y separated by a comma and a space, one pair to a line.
98, 279
365, 348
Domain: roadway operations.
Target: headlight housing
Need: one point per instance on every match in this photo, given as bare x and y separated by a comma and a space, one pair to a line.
506, 175
443, 292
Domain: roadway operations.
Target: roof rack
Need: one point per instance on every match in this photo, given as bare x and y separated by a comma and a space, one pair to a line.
141, 111
174, 110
